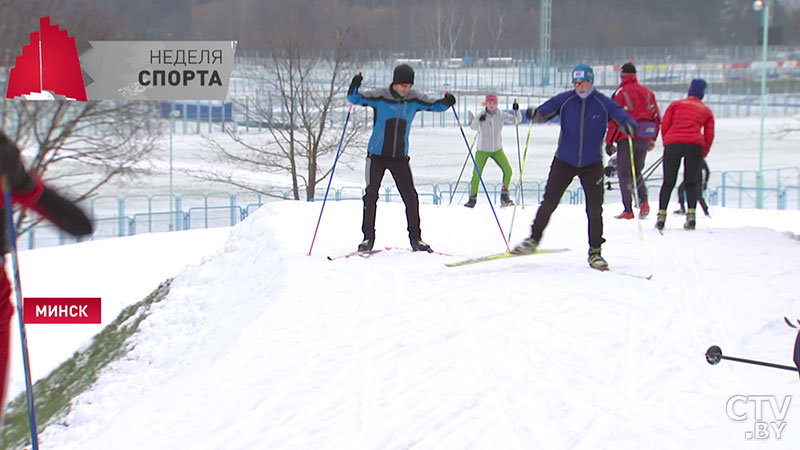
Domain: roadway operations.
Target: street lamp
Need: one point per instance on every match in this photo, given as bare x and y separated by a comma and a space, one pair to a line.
763, 6
172, 116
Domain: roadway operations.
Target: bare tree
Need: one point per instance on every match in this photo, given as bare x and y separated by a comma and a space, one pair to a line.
497, 21
309, 88
80, 146
443, 27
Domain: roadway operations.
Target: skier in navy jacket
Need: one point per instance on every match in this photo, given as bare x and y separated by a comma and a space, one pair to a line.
394, 108
584, 119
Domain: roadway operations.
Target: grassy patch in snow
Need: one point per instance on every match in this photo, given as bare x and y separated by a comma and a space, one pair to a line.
54, 393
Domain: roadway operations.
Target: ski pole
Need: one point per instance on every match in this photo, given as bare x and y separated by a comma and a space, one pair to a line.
453, 192
519, 158
649, 171
12, 239
521, 171
333, 169
714, 355
486, 191
635, 186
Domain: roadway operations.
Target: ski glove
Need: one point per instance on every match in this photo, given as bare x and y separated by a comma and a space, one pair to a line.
11, 166
515, 106
530, 112
449, 100
482, 117
611, 149
356, 83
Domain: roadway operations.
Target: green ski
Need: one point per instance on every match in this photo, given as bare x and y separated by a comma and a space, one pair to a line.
503, 256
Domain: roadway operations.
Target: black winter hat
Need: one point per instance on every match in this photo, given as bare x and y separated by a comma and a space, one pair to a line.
403, 74
628, 67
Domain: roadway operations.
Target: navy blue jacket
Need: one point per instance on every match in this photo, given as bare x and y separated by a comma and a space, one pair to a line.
583, 125
392, 118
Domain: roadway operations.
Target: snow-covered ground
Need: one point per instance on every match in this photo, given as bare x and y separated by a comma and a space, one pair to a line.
261, 346
119, 271
400, 351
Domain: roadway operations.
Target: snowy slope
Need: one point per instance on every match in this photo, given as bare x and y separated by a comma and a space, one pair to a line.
263, 347
119, 271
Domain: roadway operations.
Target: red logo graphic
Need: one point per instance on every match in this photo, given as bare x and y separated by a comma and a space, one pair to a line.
49, 63
61, 310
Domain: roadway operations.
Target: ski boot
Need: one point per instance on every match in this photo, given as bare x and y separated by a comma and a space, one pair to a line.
420, 246
690, 220
366, 245
660, 220
504, 200
644, 210
625, 215
596, 260
526, 247
473, 199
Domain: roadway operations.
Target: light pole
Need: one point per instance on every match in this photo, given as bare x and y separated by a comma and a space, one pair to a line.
172, 116
763, 6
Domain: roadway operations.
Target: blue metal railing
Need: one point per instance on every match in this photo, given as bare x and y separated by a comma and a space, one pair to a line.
137, 214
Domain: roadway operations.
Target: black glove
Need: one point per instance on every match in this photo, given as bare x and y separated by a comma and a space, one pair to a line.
515, 106
611, 149
11, 166
482, 117
449, 100
65, 214
356, 83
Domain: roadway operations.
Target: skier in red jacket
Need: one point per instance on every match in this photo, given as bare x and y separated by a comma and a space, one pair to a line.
27, 192
687, 131
640, 103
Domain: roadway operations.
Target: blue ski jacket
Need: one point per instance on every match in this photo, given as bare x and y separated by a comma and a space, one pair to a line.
583, 125
392, 117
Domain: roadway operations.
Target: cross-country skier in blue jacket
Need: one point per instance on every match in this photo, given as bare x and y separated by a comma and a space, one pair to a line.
394, 108
584, 119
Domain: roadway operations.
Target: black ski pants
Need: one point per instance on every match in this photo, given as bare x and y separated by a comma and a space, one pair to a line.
625, 174
561, 175
692, 155
701, 186
401, 172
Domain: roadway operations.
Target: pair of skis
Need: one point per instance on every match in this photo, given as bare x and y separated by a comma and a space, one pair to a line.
368, 253
480, 259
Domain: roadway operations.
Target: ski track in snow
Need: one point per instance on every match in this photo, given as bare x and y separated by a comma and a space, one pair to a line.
264, 347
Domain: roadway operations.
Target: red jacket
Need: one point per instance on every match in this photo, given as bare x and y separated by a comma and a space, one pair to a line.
688, 121
639, 102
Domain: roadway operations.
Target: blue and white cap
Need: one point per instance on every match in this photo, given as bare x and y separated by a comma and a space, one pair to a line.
583, 72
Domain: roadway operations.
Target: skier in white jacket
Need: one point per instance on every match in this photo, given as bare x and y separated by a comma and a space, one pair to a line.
490, 145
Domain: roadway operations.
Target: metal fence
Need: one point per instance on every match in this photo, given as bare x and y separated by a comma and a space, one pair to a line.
138, 214
733, 73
